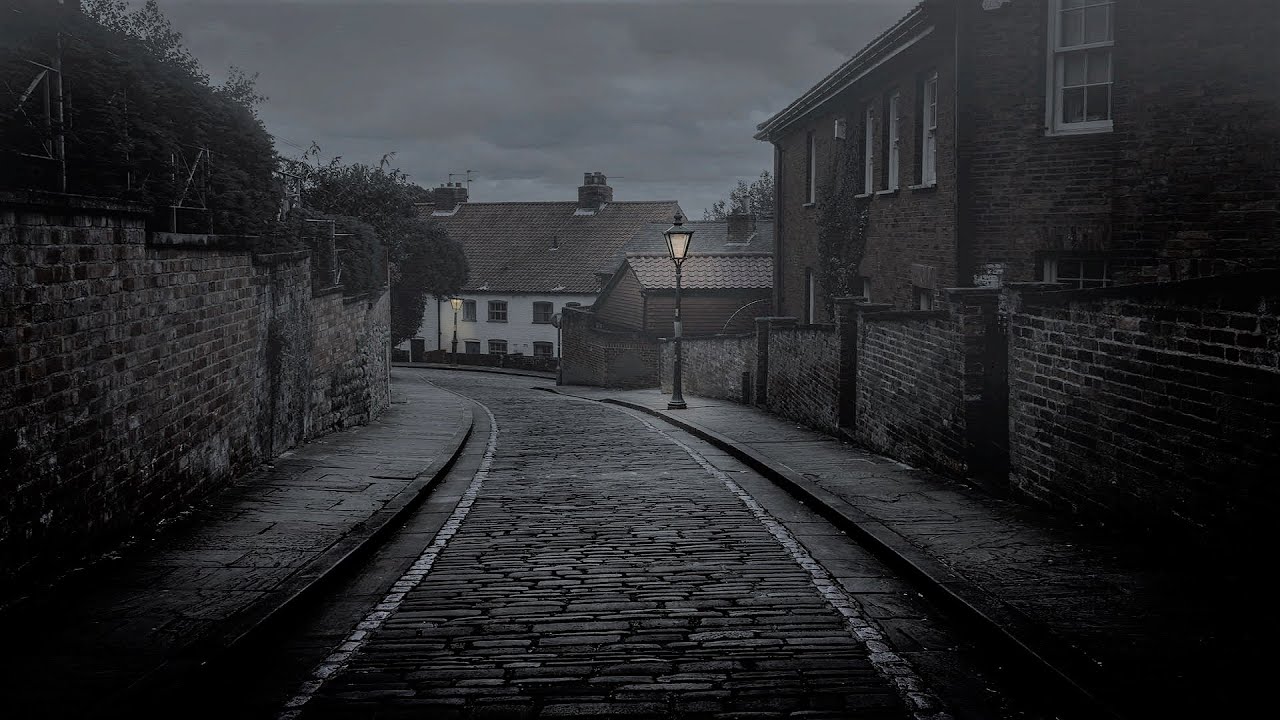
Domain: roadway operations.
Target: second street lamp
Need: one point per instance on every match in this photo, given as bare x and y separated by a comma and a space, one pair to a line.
678, 241
456, 304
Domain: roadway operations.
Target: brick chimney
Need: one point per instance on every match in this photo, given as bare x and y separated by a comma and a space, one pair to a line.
595, 191
448, 196
741, 225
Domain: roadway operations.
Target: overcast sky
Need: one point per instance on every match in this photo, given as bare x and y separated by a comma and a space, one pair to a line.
662, 97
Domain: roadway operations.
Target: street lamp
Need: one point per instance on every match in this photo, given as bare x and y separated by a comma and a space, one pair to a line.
678, 240
456, 304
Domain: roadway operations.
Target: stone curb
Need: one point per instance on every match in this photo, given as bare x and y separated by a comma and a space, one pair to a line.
479, 369
1025, 644
298, 588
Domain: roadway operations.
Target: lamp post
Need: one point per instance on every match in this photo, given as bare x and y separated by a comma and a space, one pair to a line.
456, 304
678, 240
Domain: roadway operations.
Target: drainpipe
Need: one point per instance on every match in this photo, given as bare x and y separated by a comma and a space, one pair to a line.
777, 229
959, 129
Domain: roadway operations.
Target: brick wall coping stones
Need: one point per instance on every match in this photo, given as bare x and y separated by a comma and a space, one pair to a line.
200, 241
907, 315
280, 258
1257, 281
60, 203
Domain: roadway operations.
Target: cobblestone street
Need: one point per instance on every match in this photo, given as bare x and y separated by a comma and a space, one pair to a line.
599, 565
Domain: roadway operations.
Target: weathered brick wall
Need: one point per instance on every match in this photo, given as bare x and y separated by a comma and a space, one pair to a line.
604, 358
350, 363
804, 374
910, 395
1184, 185
137, 374
1151, 407
713, 366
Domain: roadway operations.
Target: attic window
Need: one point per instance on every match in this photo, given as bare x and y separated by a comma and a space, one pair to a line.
840, 128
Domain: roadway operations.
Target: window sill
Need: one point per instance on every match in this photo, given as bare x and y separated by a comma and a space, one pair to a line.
809, 204
495, 321
923, 187
1070, 131
862, 196
891, 191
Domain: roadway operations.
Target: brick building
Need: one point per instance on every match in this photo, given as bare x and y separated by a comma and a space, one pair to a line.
527, 260
727, 281
1091, 142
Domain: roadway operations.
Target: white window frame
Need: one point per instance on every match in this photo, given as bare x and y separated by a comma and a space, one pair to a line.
498, 306
895, 141
468, 344
869, 151
929, 132
812, 153
1051, 274
550, 347
840, 128
506, 348
468, 311
1055, 70
551, 310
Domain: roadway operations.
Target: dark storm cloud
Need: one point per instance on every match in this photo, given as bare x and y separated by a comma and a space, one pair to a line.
662, 96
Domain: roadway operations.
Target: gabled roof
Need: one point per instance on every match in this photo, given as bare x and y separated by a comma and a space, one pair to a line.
898, 37
546, 246
727, 271
709, 236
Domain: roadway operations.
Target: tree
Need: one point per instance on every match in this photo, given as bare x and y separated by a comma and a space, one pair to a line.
141, 123
756, 198
424, 262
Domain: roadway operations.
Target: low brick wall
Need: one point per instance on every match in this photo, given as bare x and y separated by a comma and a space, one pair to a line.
604, 358
513, 361
713, 367
803, 374
1155, 406
910, 401
138, 374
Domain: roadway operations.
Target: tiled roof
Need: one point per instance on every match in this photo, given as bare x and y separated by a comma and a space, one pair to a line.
728, 271
546, 246
709, 236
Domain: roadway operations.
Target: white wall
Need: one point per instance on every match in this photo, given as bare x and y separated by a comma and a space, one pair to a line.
519, 331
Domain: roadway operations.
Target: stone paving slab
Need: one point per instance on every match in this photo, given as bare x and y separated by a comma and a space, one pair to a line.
243, 556
1141, 636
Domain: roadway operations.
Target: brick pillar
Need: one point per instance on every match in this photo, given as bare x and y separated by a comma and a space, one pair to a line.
847, 388
762, 354
975, 312
853, 348
762, 361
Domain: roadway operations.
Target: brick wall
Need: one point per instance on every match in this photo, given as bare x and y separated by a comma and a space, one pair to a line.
349, 381
713, 366
910, 401
604, 358
803, 373
1153, 406
138, 375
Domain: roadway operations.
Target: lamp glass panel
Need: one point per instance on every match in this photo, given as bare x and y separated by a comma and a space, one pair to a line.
679, 244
